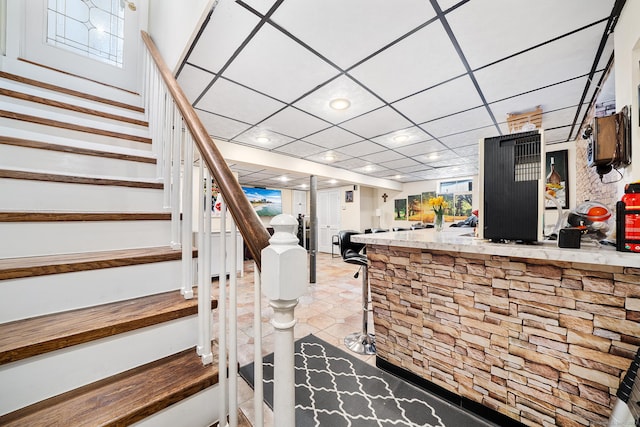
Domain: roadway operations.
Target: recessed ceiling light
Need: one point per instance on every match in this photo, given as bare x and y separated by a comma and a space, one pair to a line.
433, 156
329, 157
398, 176
262, 139
400, 138
369, 168
283, 179
332, 181
302, 185
340, 103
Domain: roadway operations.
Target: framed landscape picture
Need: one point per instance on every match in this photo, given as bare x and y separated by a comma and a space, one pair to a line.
400, 209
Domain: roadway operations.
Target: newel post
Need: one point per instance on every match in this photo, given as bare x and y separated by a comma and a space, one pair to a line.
284, 271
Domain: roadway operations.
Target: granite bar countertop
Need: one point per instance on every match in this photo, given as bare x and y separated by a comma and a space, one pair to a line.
462, 240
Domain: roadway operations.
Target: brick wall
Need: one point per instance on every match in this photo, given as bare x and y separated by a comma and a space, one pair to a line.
545, 343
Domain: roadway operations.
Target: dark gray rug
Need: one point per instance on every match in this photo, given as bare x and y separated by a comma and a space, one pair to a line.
334, 388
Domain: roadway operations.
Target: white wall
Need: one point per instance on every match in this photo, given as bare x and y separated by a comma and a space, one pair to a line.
627, 75
411, 188
172, 25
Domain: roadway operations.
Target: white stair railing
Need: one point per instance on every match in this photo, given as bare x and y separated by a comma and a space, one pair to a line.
178, 139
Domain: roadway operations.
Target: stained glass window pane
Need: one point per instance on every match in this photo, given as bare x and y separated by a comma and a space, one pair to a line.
93, 28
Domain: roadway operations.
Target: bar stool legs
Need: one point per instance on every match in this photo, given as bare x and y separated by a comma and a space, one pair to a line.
362, 342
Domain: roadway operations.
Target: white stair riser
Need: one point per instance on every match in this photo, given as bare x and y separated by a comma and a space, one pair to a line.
69, 99
82, 136
73, 117
53, 373
199, 410
56, 196
29, 134
22, 68
50, 238
36, 296
56, 162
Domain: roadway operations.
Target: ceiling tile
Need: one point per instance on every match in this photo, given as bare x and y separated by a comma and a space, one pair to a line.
333, 137
563, 59
229, 26
299, 149
470, 137
360, 148
278, 66
372, 170
400, 163
340, 23
421, 148
438, 101
446, 4
467, 150
420, 167
250, 137
193, 81
383, 156
421, 60
498, 35
557, 135
377, 122
221, 127
402, 137
329, 157
351, 164
472, 119
557, 118
550, 98
232, 100
261, 6
294, 123
343, 87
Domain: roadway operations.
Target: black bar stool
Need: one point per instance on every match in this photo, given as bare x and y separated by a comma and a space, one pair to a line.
361, 342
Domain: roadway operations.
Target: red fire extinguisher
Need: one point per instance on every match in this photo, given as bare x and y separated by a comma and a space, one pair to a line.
631, 200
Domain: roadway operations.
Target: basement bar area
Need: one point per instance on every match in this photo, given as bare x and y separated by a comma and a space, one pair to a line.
540, 334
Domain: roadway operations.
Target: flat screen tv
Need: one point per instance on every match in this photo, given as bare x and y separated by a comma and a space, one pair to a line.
266, 202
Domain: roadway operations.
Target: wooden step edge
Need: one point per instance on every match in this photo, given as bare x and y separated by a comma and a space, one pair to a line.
31, 337
14, 268
70, 107
70, 126
71, 179
124, 398
48, 86
28, 143
82, 216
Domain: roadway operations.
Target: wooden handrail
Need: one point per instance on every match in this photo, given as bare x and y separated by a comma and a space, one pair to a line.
255, 235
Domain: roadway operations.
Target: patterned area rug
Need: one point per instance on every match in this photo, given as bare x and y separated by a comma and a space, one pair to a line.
335, 389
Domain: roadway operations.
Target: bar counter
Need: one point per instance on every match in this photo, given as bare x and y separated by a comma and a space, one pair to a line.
539, 334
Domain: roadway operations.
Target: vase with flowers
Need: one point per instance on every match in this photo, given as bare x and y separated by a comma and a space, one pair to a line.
438, 204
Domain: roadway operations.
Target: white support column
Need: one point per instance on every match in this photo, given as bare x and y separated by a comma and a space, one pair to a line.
284, 270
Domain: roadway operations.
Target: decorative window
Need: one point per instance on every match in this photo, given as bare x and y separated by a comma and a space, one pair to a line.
92, 28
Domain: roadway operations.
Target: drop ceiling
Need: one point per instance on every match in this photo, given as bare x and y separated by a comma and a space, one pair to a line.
425, 80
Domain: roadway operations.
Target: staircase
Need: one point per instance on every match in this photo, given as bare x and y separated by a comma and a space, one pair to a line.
93, 328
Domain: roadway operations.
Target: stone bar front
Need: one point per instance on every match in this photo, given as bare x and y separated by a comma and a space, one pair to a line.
540, 334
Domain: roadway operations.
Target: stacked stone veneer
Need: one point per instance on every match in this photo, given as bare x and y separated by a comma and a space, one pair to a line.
544, 342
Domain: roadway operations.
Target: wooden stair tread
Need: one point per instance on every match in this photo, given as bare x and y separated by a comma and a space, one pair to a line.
71, 126
39, 216
70, 107
71, 92
27, 143
12, 268
21, 339
125, 398
73, 179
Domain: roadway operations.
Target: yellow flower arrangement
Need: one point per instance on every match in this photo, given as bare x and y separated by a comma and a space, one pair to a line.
438, 204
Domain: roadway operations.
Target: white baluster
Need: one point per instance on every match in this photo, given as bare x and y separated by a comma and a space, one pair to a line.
176, 139
233, 326
222, 315
258, 374
187, 219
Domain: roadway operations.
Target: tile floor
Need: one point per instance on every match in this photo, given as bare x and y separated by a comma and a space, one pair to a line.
331, 309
